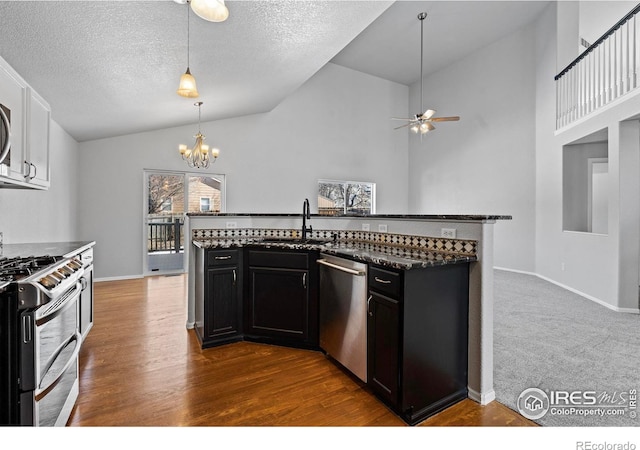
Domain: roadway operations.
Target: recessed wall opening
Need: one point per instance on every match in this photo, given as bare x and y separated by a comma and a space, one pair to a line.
585, 184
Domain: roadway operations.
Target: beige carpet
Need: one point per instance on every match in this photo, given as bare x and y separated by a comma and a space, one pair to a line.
555, 340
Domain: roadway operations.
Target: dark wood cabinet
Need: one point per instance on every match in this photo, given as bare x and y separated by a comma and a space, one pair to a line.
418, 338
219, 317
281, 303
383, 332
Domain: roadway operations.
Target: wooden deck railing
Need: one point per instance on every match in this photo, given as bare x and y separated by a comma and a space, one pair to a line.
164, 236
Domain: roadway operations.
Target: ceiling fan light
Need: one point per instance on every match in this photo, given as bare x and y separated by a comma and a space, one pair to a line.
211, 10
187, 87
415, 128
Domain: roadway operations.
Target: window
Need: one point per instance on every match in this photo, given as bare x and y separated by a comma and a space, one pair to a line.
205, 193
166, 206
205, 204
346, 197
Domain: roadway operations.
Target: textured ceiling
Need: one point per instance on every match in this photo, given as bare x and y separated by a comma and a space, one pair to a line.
112, 67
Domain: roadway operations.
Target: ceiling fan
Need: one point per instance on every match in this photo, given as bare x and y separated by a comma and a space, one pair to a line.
423, 122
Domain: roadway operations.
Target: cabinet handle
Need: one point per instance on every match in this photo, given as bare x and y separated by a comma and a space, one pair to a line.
234, 277
222, 257
29, 166
379, 280
304, 280
368, 304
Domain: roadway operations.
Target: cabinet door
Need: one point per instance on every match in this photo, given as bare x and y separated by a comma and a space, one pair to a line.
13, 91
383, 334
279, 303
37, 160
222, 309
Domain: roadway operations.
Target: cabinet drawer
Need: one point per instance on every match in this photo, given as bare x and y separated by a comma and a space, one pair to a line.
385, 281
279, 259
222, 257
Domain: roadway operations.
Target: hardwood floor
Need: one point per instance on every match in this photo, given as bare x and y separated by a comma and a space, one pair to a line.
141, 367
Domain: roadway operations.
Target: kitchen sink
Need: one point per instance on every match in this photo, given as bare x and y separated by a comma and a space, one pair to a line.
300, 241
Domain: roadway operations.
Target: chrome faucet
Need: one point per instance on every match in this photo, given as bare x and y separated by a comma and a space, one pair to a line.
306, 215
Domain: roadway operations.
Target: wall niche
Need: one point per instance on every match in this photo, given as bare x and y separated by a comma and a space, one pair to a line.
585, 184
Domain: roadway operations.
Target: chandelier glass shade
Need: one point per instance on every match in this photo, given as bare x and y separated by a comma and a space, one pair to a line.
200, 155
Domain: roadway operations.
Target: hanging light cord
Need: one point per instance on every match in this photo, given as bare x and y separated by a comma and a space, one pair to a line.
421, 16
188, 36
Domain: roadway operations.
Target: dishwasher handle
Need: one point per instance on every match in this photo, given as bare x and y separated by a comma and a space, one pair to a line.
359, 273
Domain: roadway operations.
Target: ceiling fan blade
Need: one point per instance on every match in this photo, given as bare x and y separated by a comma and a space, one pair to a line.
402, 118
445, 119
402, 126
428, 114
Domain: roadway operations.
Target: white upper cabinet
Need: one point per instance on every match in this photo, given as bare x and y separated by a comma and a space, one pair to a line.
13, 94
38, 129
27, 165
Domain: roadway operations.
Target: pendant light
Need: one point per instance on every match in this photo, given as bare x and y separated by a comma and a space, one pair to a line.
187, 87
198, 156
211, 10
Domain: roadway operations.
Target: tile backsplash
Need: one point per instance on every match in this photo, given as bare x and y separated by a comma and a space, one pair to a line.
420, 243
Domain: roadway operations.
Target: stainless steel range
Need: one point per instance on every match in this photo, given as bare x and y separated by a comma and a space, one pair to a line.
39, 339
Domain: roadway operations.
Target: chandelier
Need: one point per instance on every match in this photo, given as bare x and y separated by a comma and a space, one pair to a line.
198, 156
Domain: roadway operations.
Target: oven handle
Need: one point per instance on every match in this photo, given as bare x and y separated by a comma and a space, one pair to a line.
7, 144
77, 337
60, 309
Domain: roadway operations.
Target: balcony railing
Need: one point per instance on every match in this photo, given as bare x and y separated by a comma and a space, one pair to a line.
164, 237
604, 72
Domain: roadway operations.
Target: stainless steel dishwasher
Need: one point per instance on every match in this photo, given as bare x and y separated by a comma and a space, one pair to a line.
343, 312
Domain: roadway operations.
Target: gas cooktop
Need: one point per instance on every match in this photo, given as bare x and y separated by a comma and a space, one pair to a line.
14, 269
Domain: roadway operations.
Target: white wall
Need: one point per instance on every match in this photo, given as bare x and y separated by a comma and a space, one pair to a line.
45, 216
485, 163
590, 264
596, 17
335, 126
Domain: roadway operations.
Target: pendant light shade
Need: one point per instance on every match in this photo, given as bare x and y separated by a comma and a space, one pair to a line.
211, 10
187, 86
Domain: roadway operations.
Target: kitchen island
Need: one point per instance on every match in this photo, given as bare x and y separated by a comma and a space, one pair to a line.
406, 241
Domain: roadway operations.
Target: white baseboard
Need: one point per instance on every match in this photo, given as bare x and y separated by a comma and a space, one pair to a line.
575, 291
483, 399
505, 269
127, 277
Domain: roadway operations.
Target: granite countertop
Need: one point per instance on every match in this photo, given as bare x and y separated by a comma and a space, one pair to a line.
444, 217
61, 249
385, 255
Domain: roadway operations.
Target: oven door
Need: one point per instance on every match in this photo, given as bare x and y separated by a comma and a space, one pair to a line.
50, 346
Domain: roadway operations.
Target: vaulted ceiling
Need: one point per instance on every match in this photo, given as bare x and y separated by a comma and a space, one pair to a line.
112, 67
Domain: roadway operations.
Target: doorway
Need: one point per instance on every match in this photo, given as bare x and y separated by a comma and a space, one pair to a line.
168, 197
